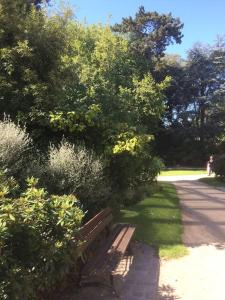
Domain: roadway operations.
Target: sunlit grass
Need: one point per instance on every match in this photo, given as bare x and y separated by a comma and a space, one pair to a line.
183, 172
158, 221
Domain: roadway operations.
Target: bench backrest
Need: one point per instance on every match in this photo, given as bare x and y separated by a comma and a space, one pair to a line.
94, 227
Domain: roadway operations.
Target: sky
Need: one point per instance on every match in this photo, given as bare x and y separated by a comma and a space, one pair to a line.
203, 19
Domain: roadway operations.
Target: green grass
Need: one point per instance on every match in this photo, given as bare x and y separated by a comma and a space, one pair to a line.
158, 221
213, 181
183, 172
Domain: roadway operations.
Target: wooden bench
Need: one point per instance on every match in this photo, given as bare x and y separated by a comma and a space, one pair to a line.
102, 248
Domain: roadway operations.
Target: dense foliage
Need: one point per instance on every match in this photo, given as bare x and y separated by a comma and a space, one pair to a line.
193, 126
65, 79
37, 242
15, 144
150, 32
88, 110
30, 54
219, 166
75, 170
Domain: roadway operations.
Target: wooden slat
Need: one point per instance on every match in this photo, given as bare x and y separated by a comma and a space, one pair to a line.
88, 227
101, 256
115, 247
122, 247
118, 240
88, 239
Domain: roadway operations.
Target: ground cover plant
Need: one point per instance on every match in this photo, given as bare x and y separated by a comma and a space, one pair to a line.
158, 221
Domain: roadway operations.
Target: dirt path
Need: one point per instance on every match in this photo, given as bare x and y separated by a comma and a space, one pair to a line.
200, 275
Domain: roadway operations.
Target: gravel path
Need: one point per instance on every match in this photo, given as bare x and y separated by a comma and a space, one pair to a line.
198, 276
201, 274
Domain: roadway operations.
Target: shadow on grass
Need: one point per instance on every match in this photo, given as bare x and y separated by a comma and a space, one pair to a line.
157, 219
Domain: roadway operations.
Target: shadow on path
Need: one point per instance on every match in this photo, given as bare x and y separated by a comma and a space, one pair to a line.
166, 292
203, 213
137, 278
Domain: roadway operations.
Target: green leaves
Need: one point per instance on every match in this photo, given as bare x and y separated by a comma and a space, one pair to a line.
75, 121
133, 145
150, 33
195, 114
37, 238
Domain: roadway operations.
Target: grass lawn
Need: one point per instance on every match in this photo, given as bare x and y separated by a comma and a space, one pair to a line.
182, 172
216, 182
158, 221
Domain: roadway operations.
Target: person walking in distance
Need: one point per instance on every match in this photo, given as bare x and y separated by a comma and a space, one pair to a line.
210, 165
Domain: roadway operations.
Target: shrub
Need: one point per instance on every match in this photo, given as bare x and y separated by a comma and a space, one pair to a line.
219, 166
14, 143
155, 167
37, 242
129, 172
8, 185
76, 170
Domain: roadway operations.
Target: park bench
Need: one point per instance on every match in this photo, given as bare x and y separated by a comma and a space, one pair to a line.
103, 246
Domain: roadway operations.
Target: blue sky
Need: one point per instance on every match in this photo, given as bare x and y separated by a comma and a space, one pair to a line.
203, 19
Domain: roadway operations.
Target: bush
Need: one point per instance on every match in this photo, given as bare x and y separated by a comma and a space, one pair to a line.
129, 172
219, 166
37, 242
76, 170
14, 143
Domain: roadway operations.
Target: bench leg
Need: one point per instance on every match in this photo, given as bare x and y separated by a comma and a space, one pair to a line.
113, 285
100, 283
130, 250
79, 277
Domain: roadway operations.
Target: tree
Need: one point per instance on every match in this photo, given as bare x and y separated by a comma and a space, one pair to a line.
32, 45
39, 3
108, 103
65, 79
103, 84
194, 119
150, 33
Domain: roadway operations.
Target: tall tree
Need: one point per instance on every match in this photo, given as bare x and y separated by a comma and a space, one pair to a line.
31, 47
194, 119
150, 32
39, 3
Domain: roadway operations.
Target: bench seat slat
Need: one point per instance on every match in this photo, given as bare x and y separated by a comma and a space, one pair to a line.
122, 247
99, 256
109, 257
118, 239
94, 265
95, 232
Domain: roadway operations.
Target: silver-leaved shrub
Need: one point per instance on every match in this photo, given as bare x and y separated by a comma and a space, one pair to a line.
14, 144
74, 169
